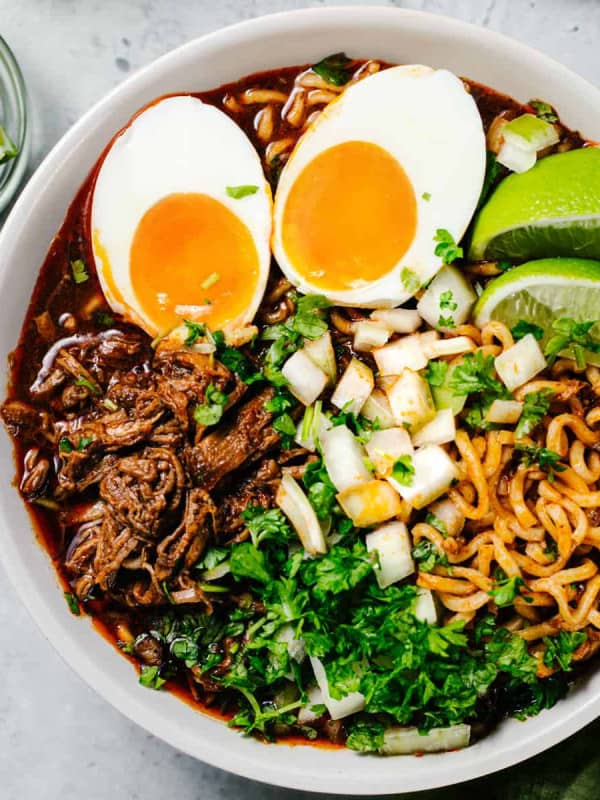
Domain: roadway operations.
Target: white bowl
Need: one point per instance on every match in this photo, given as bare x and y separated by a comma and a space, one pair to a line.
283, 39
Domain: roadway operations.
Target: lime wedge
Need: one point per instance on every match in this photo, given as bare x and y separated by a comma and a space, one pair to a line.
552, 209
542, 291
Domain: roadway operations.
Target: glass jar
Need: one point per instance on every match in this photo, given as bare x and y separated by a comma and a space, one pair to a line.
14, 120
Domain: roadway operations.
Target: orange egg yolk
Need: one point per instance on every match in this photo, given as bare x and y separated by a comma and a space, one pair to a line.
350, 216
192, 258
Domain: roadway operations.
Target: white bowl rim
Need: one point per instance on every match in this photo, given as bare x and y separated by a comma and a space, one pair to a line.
261, 763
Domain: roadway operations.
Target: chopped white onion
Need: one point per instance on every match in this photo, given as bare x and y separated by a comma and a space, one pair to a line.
400, 320
428, 340
344, 458
434, 473
504, 412
392, 544
425, 608
404, 741
452, 346
441, 430
378, 408
530, 132
321, 353
306, 380
296, 506
411, 401
520, 363
448, 513
368, 335
515, 158
296, 647
217, 572
386, 446
448, 296
354, 387
405, 353
315, 698
370, 503
311, 427
350, 704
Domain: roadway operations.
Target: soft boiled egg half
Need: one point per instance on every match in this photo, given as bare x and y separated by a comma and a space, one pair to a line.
400, 155
181, 219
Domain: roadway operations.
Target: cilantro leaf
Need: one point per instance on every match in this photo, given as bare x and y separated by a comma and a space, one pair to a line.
475, 373
446, 301
546, 460
575, 337
436, 372
560, 648
505, 591
195, 330
321, 491
522, 328
211, 411
334, 69
79, 271
437, 523
446, 249
266, 524
73, 603
410, 280
239, 192
150, 677
403, 470
247, 561
285, 425
535, 407
365, 735
543, 110
237, 362
427, 556
445, 322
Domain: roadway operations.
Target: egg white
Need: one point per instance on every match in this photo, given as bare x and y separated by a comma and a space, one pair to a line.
176, 145
430, 124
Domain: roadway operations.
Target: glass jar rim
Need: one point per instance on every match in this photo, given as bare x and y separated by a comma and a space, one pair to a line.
13, 95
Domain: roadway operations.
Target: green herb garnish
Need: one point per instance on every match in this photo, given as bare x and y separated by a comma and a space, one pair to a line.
403, 471
334, 69
211, 411
535, 407
73, 603
79, 271
237, 193
574, 336
446, 247
543, 110
522, 328
547, 460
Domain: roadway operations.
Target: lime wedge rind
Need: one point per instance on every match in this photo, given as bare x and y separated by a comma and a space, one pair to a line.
551, 210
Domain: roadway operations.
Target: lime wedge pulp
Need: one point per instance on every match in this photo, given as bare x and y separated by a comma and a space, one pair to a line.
541, 292
553, 209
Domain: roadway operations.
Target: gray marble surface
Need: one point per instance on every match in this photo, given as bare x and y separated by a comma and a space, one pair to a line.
57, 738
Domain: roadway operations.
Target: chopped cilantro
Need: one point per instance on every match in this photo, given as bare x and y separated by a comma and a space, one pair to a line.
535, 407
543, 110
195, 330
237, 193
334, 69
150, 677
476, 374
285, 425
65, 446
560, 648
436, 372
403, 471
83, 381
426, 196
505, 591
575, 337
266, 524
321, 491
79, 271
446, 247
445, 322
446, 301
237, 362
73, 603
365, 735
427, 556
247, 561
84, 442
410, 280
522, 328
437, 523
546, 460
211, 411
